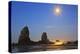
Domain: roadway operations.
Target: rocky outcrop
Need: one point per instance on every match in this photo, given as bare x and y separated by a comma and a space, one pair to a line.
24, 38
44, 39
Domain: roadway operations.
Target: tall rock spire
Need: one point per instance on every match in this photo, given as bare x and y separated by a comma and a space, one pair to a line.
24, 36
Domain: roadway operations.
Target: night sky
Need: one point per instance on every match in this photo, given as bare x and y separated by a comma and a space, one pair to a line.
40, 17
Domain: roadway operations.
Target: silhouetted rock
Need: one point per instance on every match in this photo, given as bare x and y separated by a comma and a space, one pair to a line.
57, 40
44, 38
76, 42
72, 43
24, 37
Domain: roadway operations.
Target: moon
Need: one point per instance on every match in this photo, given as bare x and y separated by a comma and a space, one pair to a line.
57, 10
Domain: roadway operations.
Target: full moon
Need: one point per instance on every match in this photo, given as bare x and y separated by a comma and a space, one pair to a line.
57, 10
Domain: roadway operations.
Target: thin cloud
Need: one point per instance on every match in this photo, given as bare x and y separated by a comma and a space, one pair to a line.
49, 27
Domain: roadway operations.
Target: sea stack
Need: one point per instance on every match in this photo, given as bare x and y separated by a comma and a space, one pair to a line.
24, 38
44, 38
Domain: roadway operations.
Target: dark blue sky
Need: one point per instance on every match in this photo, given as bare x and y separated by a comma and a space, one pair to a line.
40, 18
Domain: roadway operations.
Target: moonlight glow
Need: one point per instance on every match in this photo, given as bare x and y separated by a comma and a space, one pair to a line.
57, 10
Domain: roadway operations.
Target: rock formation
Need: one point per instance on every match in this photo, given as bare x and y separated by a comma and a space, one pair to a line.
24, 38
44, 38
